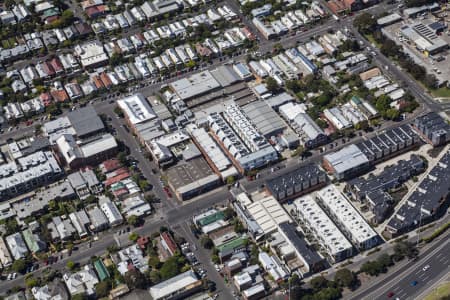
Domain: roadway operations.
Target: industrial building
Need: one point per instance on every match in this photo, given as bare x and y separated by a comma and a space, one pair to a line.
191, 178
374, 190
322, 227
424, 37
140, 117
177, 287
433, 128
355, 159
347, 162
295, 183
212, 152
81, 138
264, 118
205, 86
428, 202
238, 138
352, 224
264, 210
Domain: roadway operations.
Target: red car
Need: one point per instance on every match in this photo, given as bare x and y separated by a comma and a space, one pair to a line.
390, 294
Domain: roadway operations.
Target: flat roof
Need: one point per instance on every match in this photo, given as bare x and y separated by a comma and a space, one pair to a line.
137, 109
195, 85
348, 216
329, 234
188, 172
311, 257
183, 281
268, 213
346, 159
389, 19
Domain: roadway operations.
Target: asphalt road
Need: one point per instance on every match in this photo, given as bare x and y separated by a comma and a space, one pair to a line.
173, 217
437, 256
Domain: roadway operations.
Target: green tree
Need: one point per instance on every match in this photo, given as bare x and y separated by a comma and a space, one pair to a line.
170, 268
135, 279
295, 287
230, 180
345, 278
392, 114
318, 283
373, 268
102, 289
229, 213
402, 249
115, 59
31, 282
70, 265
328, 293
272, 85
19, 265
154, 262
206, 242
133, 220
365, 23
79, 297
154, 276
299, 151
190, 64
133, 237
385, 260
143, 184
118, 112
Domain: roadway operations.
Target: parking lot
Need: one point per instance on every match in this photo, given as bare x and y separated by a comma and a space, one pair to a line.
438, 63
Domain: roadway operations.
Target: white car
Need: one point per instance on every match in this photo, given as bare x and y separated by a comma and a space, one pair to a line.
426, 268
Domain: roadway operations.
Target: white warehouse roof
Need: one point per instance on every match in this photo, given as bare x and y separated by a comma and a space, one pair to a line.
348, 216
136, 108
324, 228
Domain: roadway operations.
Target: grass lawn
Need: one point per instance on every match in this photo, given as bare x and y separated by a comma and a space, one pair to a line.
441, 92
370, 38
441, 291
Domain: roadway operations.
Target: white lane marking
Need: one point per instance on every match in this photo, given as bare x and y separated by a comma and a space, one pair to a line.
403, 295
426, 278
396, 288
418, 272
421, 275
439, 255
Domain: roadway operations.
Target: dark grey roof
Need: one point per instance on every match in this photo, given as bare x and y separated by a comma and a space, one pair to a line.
310, 255
302, 174
85, 121
429, 195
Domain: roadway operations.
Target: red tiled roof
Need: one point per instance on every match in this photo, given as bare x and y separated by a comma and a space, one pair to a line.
56, 65
106, 80
97, 82
60, 95
142, 242
48, 68
169, 242
110, 165
51, 19
117, 178
120, 192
